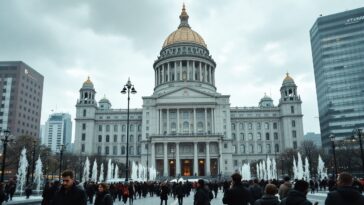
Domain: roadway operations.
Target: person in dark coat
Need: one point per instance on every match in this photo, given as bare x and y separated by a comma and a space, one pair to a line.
103, 196
28, 191
297, 196
180, 193
164, 193
2, 193
237, 194
70, 193
90, 191
256, 190
203, 195
345, 192
269, 197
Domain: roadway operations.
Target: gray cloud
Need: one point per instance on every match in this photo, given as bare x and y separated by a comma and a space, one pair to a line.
253, 42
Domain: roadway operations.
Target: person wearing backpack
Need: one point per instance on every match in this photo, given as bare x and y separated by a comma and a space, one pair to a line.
103, 196
345, 192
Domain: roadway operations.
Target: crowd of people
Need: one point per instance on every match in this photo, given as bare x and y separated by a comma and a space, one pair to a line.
344, 190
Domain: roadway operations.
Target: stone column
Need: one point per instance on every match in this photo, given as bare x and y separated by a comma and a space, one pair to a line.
210, 75
162, 68
178, 163
195, 159
161, 121
155, 78
193, 70
168, 73
208, 171
153, 155
200, 74
168, 127
177, 128
175, 70
165, 161
205, 120
194, 121
221, 167
158, 121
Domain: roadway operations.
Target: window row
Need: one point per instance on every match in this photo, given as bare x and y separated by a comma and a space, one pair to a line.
249, 126
251, 136
249, 149
118, 150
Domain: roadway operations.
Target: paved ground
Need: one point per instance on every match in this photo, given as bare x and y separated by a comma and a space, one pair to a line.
318, 197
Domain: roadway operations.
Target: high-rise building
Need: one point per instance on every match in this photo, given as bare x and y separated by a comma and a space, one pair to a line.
314, 137
186, 127
21, 98
58, 131
337, 43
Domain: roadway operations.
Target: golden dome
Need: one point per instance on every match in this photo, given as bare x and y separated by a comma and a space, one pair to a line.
88, 81
184, 33
288, 79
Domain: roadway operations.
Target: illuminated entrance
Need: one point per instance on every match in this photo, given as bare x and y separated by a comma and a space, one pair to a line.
172, 167
187, 169
201, 167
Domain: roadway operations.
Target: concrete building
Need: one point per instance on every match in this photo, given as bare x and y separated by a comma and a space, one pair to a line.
186, 127
58, 131
21, 101
338, 59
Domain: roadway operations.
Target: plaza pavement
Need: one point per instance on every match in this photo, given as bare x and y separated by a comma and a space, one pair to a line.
317, 197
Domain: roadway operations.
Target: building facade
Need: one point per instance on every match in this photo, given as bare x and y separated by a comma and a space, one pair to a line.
314, 137
338, 57
58, 131
21, 101
187, 128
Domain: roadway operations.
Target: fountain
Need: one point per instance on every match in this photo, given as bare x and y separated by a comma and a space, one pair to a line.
307, 170
294, 169
38, 175
152, 173
299, 167
22, 172
116, 172
94, 172
86, 171
245, 171
134, 171
321, 170
101, 177
109, 170
274, 169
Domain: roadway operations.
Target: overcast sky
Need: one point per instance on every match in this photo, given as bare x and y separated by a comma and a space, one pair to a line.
254, 43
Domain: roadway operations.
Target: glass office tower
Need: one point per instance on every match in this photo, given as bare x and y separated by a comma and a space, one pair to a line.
337, 43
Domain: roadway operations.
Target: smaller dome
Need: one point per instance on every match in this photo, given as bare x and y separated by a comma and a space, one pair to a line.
88, 83
288, 80
104, 100
266, 101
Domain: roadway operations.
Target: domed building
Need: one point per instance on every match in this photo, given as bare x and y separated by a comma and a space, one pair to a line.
186, 128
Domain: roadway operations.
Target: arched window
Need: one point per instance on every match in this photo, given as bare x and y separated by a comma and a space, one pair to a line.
266, 125
259, 136
131, 138
107, 128
123, 128
185, 126
131, 150
139, 138
232, 126
250, 136
122, 138
107, 150
242, 148
138, 150
233, 136
250, 126
99, 150
259, 126
107, 138
114, 150
259, 147
251, 148
123, 150
242, 136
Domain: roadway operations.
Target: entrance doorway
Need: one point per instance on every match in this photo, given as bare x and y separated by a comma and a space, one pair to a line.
172, 167
214, 167
201, 167
187, 169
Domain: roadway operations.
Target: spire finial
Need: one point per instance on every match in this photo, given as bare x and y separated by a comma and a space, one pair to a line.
183, 17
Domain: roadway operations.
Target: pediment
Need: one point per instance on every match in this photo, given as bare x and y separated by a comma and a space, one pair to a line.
186, 93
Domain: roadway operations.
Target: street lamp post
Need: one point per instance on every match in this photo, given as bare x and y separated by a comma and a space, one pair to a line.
332, 138
358, 132
6, 140
33, 163
147, 147
128, 87
61, 149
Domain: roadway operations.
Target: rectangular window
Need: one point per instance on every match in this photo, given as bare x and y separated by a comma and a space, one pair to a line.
100, 128
83, 148
100, 138
294, 134
292, 109
83, 126
235, 162
83, 137
84, 112
267, 136
114, 150
115, 138
225, 146
293, 123
294, 145
275, 136
115, 128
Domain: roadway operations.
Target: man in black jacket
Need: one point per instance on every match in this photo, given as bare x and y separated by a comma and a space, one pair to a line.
237, 194
203, 195
70, 193
345, 192
297, 196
